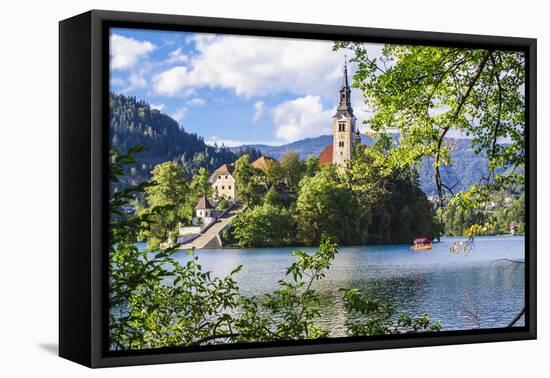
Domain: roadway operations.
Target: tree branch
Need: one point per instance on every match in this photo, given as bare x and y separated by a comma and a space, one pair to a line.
456, 113
497, 126
213, 337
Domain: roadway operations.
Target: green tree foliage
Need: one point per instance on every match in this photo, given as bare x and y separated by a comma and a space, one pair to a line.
247, 178
457, 219
171, 304
506, 219
405, 222
272, 173
224, 204
293, 169
273, 198
263, 226
369, 173
364, 202
403, 213
154, 301
312, 166
324, 206
499, 218
167, 202
199, 186
425, 92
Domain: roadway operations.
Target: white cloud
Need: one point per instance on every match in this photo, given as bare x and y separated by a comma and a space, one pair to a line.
196, 102
301, 118
258, 111
177, 56
158, 107
256, 66
249, 67
137, 80
179, 114
171, 81
125, 51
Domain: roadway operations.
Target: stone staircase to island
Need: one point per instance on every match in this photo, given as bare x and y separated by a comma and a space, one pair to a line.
210, 238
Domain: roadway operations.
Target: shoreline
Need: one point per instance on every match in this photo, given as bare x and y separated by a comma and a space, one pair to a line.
299, 247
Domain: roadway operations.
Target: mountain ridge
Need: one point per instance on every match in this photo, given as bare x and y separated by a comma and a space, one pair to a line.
468, 167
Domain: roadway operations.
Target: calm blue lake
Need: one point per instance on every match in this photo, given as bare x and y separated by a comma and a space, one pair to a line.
447, 286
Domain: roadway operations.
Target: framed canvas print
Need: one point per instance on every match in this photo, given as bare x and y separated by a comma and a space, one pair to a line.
233, 188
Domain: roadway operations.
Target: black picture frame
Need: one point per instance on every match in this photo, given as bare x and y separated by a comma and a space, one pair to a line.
83, 195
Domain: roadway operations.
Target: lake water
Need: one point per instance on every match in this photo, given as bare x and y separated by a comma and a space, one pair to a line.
446, 286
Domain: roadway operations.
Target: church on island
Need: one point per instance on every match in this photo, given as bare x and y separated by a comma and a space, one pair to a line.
345, 135
344, 130
208, 219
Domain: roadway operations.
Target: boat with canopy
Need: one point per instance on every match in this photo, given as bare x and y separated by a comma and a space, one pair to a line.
421, 244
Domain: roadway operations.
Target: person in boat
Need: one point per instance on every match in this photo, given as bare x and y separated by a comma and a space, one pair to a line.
422, 243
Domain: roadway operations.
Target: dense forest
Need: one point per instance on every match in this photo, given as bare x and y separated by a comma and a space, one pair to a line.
505, 214
135, 123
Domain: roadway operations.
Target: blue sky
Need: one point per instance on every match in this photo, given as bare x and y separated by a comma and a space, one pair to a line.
233, 89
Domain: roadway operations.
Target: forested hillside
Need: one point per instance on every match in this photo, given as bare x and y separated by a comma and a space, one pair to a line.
134, 123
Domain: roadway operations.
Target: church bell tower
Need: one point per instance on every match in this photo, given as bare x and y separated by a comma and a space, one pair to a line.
344, 131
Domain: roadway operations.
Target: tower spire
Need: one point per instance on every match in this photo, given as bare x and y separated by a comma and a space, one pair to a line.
344, 105
345, 78
344, 131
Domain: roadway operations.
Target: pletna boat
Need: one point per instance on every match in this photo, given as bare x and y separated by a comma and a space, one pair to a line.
421, 244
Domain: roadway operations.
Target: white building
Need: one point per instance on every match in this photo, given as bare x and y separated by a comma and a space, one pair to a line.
224, 183
205, 213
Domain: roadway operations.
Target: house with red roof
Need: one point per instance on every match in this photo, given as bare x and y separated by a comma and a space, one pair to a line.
261, 162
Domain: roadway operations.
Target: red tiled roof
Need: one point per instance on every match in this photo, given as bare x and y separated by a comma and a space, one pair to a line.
326, 156
226, 168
